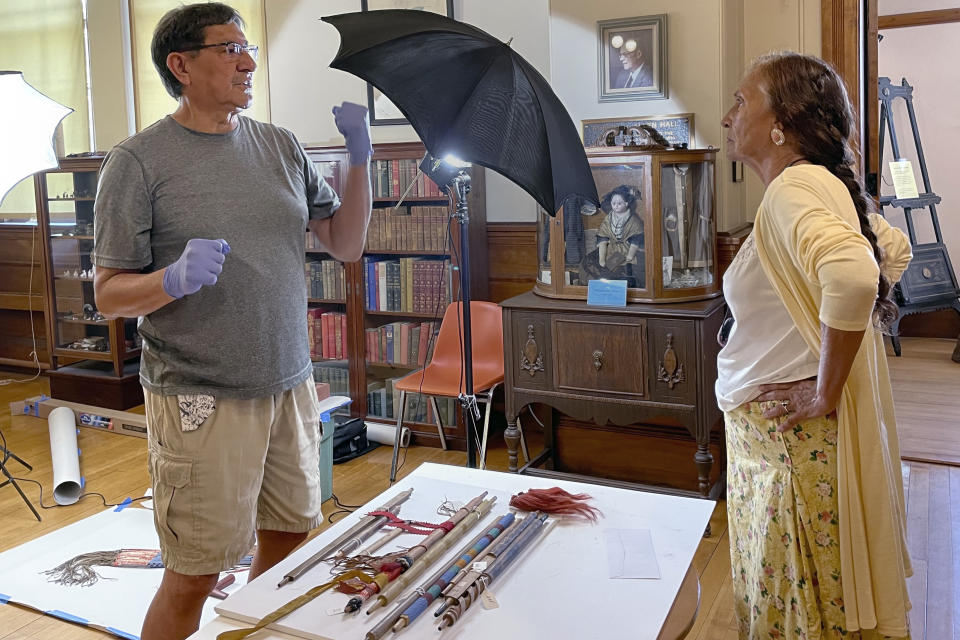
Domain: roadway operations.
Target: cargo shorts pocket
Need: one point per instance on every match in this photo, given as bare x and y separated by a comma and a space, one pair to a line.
173, 508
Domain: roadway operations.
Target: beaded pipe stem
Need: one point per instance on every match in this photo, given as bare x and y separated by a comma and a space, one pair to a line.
391, 570
464, 579
385, 623
434, 588
470, 595
433, 553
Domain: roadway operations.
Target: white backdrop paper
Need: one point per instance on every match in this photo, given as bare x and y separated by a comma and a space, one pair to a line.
561, 589
118, 602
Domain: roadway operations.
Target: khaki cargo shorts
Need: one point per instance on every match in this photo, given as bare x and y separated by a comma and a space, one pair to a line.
222, 468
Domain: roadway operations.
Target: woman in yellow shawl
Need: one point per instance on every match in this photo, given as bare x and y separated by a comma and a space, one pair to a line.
814, 494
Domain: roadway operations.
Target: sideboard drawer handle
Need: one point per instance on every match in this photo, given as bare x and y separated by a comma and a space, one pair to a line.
597, 359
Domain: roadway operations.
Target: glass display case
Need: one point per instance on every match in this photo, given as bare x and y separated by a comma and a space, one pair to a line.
76, 327
655, 228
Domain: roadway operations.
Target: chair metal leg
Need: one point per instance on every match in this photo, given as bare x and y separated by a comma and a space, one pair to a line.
486, 428
436, 418
396, 437
523, 441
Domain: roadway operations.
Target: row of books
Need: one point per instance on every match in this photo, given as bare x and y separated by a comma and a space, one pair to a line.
411, 285
327, 332
403, 343
336, 374
420, 228
383, 400
391, 178
325, 280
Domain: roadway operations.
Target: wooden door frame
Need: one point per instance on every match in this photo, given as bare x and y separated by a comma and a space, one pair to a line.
849, 43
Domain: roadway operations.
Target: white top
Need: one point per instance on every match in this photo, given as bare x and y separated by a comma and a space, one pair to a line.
764, 345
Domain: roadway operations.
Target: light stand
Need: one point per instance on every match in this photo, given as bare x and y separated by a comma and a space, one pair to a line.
6, 454
447, 177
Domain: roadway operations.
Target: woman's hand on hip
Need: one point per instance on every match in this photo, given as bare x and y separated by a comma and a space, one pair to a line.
795, 402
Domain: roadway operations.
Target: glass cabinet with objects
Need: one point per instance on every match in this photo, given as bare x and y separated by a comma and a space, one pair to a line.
76, 328
655, 228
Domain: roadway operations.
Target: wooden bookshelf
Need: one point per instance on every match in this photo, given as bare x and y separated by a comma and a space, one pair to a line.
416, 232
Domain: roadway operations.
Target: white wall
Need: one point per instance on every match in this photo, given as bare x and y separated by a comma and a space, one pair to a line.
925, 57
773, 25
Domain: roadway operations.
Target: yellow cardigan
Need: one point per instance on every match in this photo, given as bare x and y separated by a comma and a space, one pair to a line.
810, 247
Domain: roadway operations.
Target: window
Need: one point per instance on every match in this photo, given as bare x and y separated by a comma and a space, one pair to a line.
44, 40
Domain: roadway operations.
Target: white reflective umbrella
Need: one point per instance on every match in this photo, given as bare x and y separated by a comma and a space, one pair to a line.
28, 120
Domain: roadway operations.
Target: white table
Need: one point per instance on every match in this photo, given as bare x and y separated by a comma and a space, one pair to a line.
561, 589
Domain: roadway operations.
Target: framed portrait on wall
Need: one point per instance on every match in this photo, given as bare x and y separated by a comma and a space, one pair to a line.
382, 111
632, 58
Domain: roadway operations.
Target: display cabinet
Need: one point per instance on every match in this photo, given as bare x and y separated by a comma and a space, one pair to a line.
374, 321
655, 228
75, 327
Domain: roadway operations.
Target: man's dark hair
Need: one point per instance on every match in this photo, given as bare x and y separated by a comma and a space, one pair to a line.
182, 28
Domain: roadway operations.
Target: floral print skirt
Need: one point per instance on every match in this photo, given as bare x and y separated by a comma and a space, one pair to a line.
782, 519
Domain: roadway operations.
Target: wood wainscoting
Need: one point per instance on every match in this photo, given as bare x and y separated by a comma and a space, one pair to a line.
20, 274
512, 255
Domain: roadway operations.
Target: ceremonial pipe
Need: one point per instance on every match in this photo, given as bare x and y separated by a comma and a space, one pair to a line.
433, 553
431, 590
364, 523
382, 627
406, 561
505, 539
484, 578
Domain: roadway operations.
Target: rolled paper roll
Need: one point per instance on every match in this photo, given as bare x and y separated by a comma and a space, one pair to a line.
65, 456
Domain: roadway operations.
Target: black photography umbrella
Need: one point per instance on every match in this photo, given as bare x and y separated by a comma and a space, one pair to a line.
469, 95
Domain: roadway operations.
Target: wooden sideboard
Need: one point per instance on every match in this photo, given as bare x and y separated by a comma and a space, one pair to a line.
639, 368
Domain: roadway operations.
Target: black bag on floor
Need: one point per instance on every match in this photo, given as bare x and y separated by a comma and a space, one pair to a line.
350, 441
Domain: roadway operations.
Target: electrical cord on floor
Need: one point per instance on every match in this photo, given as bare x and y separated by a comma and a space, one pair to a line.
344, 509
82, 496
6, 457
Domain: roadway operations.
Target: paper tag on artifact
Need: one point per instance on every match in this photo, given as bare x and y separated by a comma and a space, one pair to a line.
904, 182
488, 600
480, 565
336, 611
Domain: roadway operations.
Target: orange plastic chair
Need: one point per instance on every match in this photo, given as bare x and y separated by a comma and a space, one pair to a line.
442, 376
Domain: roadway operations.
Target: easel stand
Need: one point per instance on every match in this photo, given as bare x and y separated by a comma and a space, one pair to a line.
929, 283
5, 455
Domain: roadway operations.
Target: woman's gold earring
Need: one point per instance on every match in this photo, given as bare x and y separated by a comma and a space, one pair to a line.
777, 136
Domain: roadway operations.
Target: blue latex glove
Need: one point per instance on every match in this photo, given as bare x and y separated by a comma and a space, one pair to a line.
200, 264
354, 123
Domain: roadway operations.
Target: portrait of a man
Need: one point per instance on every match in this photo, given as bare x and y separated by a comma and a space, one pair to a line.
632, 60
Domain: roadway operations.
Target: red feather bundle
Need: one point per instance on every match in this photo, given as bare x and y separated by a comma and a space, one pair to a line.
556, 501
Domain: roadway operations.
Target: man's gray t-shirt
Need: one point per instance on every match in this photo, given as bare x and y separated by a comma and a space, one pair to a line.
246, 335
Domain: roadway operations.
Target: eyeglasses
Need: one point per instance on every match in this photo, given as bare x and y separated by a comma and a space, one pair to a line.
232, 49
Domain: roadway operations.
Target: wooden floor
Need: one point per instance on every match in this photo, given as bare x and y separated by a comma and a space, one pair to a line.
927, 397
116, 466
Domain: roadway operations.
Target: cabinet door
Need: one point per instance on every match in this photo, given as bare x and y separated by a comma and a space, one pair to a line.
530, 353
599, 355
673, 362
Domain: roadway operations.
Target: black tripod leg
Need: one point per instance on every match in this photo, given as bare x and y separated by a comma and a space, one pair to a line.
11, 480
7, 452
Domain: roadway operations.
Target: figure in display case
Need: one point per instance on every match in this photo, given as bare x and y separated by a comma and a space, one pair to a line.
655, 228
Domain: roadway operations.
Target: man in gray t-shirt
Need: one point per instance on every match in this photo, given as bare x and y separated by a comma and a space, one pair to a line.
200, 222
